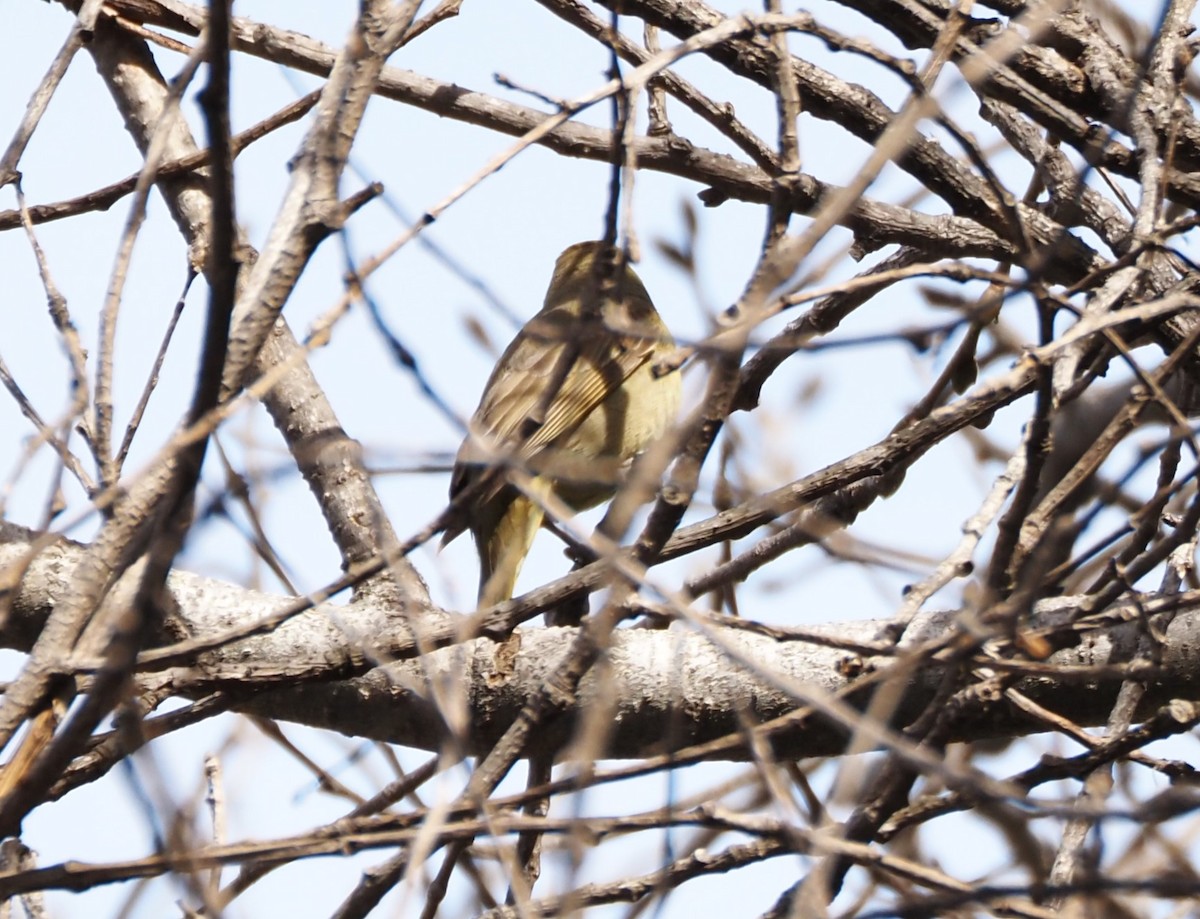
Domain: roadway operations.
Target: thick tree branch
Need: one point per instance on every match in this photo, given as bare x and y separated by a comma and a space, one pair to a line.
690, 687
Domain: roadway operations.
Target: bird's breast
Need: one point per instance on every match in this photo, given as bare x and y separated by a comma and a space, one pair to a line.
617, 430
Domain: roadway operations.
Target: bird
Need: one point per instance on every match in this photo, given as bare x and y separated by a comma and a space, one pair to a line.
578, 393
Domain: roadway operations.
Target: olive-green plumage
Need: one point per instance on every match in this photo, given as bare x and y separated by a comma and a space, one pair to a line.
598, 413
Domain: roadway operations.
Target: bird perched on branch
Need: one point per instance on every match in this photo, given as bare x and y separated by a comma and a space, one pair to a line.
573, 399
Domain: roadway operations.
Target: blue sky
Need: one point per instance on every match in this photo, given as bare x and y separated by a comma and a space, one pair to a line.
508, 230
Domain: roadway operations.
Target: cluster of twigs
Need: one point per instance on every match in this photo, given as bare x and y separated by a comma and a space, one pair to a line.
1056, 632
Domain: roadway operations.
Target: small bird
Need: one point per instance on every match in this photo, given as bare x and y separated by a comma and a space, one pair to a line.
573, 399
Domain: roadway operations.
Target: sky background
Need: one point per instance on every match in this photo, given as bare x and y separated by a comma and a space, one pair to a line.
507, 232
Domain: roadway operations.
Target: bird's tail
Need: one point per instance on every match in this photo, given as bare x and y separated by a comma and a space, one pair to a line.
502, 550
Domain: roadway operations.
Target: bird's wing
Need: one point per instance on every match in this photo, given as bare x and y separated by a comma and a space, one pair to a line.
603, 362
